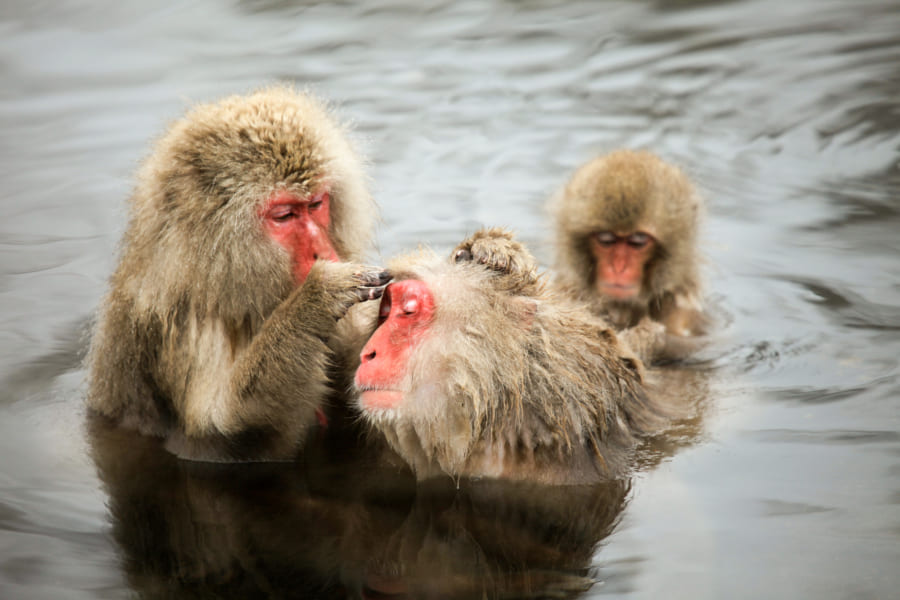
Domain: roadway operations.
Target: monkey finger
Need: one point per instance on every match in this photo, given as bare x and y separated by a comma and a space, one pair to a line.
374, 277
495, 261
369, 293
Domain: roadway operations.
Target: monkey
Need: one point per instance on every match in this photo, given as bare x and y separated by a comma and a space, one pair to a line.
225, 328
478, 368
626, 227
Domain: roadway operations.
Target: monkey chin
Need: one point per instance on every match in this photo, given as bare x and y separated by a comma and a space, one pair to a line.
380, 399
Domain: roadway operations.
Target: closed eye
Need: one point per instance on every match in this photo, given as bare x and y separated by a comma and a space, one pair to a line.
638, 240
318, 201
605, 238
280, 215
410, 307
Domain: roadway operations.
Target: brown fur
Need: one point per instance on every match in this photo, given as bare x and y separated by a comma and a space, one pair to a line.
203, 337
628, 191
343, 526
513, 380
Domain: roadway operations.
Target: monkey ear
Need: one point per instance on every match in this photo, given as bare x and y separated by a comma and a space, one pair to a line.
525, 310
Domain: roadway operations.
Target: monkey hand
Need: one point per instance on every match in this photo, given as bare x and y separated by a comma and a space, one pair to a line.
647, 339
496, 249
346, 284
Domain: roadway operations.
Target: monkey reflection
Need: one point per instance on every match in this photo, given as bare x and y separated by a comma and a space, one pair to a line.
478, 369
224, 328
626, 242
494, 538
239, 530
355, 528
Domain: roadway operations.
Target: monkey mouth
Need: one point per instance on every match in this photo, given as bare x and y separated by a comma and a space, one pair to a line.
619, 291
379, 399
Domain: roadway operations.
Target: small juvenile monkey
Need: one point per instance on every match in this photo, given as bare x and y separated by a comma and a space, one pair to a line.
626, 242
478, 369
224, 328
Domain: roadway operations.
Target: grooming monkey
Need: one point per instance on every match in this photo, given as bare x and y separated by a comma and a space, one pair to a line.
224, 327
478, 369
626, 242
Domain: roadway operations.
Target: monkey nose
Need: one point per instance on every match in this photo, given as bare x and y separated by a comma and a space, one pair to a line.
327, 253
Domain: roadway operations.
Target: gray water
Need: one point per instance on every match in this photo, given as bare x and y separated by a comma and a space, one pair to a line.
787, 116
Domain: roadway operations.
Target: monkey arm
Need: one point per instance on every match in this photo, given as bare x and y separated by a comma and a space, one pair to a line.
647, 339
678, 347
282, 377
654, 343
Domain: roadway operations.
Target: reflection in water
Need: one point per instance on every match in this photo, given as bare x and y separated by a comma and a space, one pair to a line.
349, 520
784, 113
347, 528
189, 529
685, 391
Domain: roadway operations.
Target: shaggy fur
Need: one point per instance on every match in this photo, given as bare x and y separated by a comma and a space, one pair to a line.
629, 191
512, 380
203, 337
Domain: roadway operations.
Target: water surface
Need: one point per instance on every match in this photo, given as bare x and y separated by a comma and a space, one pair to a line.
785, 114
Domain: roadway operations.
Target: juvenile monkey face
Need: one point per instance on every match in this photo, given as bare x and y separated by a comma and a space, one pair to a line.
407, 309
620, 259
300, 225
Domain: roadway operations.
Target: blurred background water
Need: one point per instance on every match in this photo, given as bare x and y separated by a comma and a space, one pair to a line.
786, 114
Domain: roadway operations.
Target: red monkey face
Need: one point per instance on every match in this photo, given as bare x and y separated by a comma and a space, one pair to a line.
407, 308
300, 225
621, 259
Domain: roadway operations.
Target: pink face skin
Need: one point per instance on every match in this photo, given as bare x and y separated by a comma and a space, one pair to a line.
300, 225
621, 258
407, 308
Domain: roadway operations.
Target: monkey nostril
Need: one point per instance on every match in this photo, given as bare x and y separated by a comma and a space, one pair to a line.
369, 356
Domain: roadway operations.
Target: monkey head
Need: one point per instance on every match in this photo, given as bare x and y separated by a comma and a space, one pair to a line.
626, 229
245, 192
433, 371
478, 369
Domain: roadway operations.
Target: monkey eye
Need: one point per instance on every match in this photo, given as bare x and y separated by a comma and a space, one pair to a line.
638, 240
605, 238
318, 201
281, 213
411, 307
